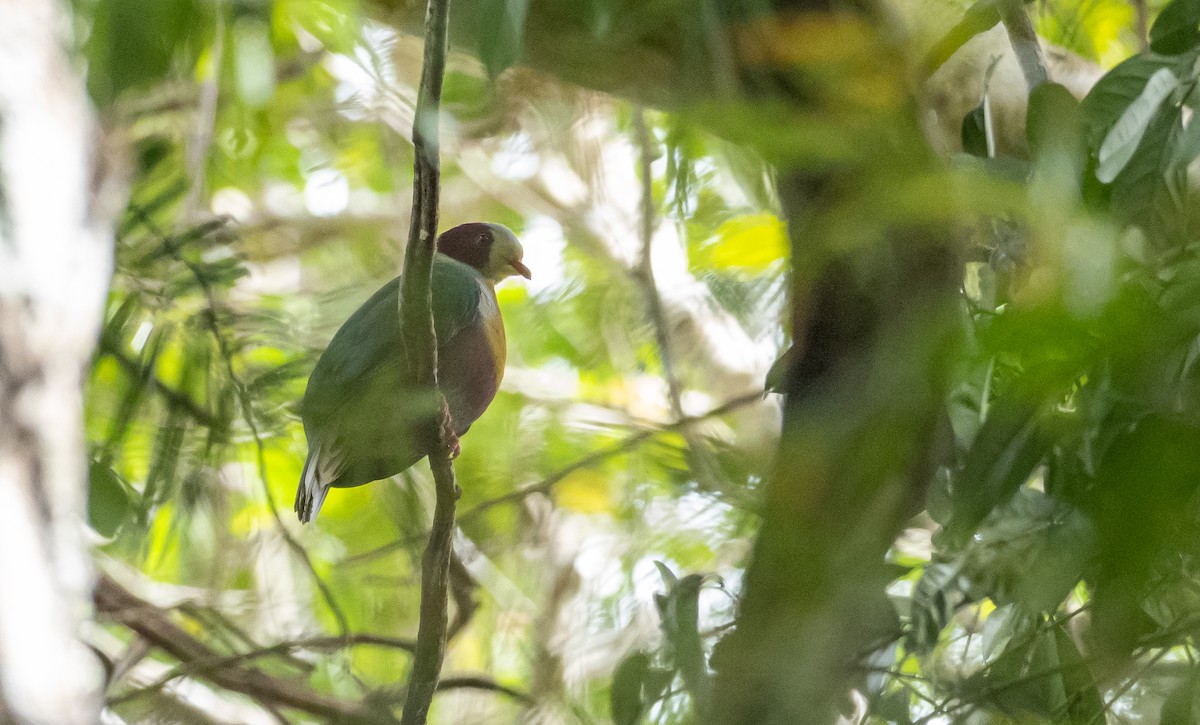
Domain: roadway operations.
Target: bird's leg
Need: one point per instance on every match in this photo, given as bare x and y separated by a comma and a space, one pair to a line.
449, 437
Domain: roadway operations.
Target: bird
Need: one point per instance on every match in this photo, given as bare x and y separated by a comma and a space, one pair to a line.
364, 417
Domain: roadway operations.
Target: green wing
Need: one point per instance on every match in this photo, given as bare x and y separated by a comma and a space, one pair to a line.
369, 345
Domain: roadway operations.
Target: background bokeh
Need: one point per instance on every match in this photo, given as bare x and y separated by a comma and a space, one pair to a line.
630, 442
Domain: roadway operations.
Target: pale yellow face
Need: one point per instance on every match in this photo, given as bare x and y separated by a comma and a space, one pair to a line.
506, 258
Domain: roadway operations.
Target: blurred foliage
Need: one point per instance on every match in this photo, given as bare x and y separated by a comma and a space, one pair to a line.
1053, 576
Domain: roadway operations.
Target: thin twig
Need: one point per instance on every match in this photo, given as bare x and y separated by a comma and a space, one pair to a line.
203, 666
477, 682
420, 342
460, 682
630, 442
624, 446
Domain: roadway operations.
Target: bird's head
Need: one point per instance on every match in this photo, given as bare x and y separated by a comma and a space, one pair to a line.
492, 249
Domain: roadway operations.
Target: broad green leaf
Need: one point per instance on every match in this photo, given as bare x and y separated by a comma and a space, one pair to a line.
109, 502
998, 629
680, 612
1177, 28
1126, 134
1054, 125
776, 380
687, 648
1035, 548
1113, 94
1005, 451
132, 44
1184, 151
626, 695
668, 576
501, 33
1141, 193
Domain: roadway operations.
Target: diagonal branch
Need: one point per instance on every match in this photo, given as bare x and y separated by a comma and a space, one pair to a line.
629, 443
150, 622
420, 341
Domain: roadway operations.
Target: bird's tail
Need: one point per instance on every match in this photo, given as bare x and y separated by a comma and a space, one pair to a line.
320, 469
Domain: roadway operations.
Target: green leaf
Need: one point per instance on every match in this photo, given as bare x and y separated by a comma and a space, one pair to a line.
999, 628
935, 598
1111, 96
1053, 558
1186, 148
777, 376
751, 242
1177, 28
626, 698
132, 44
501, 33
109, 502
1005, 451
979, 18
1054, 125
1025, 679
1084, 703
1125, 136
1141, 194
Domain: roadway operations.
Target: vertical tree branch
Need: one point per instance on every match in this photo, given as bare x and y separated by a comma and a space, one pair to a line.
1024, 42
206, 117
416, 315
1142, 24
698, 457
645, 270
55, 263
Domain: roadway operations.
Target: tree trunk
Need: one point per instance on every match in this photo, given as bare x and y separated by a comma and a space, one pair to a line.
55, 263
874, 307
